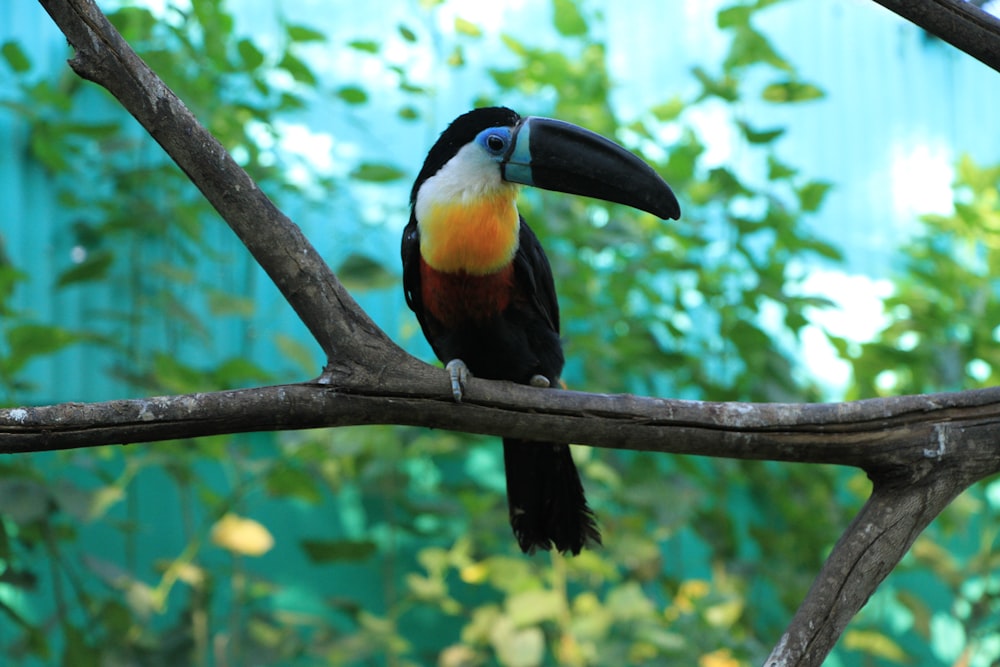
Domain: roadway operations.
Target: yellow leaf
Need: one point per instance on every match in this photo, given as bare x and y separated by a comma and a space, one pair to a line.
190, 574
874, 644
690, 591
517, 648
534, 606
474, 573
724, 614
458, 655
468, 28
720, 658
242, 536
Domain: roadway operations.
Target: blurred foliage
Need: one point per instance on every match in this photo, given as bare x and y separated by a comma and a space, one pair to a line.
941, 329
940, 334
390, 546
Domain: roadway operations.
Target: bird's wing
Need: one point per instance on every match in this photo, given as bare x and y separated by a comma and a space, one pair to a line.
532, 266
410, 252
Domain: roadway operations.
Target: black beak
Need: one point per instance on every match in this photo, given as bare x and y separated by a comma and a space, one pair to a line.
555, 155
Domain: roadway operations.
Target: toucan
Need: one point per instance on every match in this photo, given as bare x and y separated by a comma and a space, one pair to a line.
481, 286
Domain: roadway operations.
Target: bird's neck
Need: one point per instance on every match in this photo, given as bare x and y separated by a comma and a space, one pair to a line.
478, 236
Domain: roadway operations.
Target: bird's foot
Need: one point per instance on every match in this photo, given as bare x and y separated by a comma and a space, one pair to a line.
459, 374
539, 381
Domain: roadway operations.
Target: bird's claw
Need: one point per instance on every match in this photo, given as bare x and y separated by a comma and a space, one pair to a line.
459, 374
539, 381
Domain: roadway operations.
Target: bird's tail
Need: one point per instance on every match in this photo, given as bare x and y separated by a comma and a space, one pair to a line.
545, 498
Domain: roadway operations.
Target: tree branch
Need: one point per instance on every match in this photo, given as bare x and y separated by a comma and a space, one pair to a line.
903, 437
880, 535
960, 23
920, 451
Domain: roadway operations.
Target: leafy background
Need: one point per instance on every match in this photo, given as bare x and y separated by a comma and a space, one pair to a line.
389, 546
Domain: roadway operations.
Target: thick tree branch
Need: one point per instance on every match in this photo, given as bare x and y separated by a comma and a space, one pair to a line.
961, 24
880, 535
899, 438
920, 451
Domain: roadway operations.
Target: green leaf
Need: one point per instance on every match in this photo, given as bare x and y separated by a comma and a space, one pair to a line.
377, 172
290, 102
301, 33
16, 58
94, 267
778, 170
406, 33
408, 113
516, 46
48, 150
133, 22
9, 278
332, 551
759, 136
457, 57
365, 45
568, 20
77, 651
725, 87
238, 371
738, 15
463, 27
412, 88
251, 56
506, 78
175, 376
791, 91
26, 341
824, 249
286, 481
302, 356
353, 94
226, 304
298, 69
360, 272
750, 47
668, 110
811, 195
727, 183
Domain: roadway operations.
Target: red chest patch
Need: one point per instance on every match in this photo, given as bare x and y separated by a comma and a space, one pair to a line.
454, 298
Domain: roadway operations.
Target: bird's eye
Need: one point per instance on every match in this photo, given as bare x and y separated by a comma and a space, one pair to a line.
495, 140
495, 143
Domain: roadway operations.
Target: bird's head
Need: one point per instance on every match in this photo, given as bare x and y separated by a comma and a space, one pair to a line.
465, 191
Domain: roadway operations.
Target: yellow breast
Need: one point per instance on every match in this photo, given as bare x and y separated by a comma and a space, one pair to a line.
478, 237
